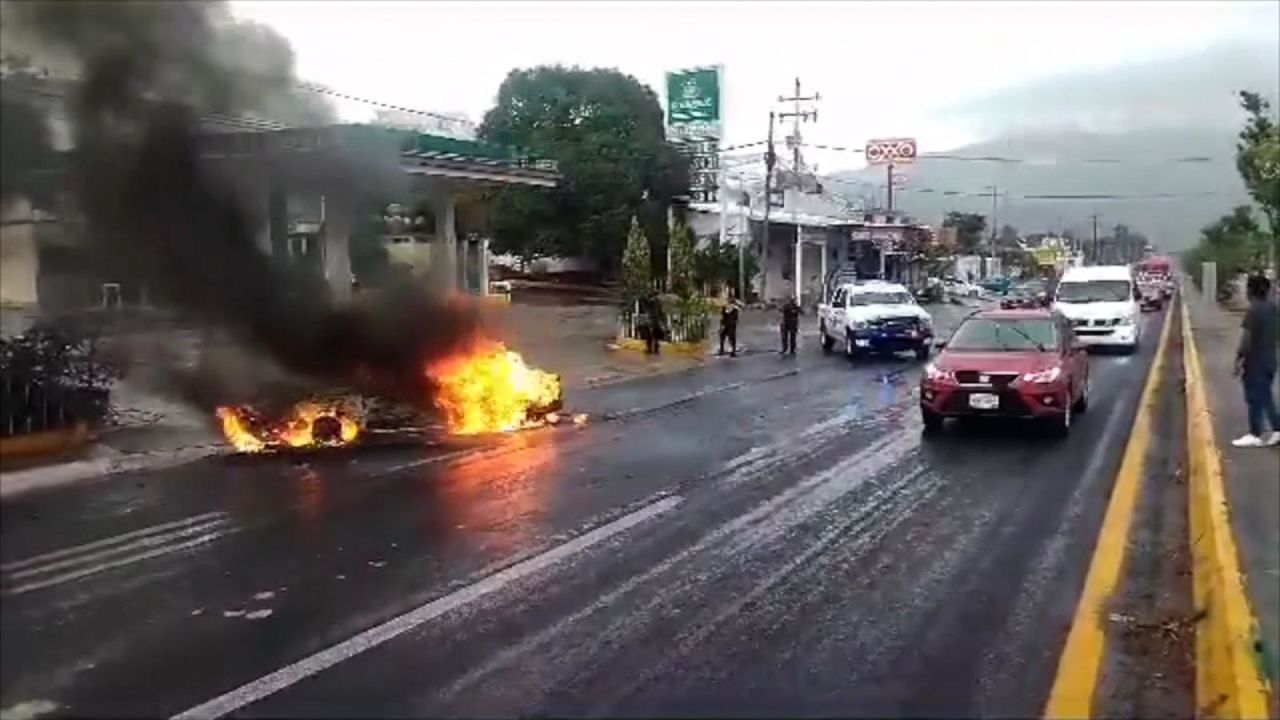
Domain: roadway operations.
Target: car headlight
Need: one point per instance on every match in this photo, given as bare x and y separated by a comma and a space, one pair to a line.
1127, 320
1043, 376
926, 321
933, 372
859, 325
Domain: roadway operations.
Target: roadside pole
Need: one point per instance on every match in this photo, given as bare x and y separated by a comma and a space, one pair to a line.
769, 159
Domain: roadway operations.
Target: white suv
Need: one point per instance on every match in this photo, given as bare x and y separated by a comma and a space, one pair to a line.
874, 316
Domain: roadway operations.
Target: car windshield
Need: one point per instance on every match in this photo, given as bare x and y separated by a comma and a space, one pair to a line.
1004, 334
880, 298
1094, 291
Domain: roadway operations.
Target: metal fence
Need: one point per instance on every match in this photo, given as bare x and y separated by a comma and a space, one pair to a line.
30, 406
680, 327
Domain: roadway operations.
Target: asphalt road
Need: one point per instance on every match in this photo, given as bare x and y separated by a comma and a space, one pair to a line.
760, 537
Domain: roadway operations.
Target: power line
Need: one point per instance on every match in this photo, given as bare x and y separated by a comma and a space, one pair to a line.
1036, 196
1189, 159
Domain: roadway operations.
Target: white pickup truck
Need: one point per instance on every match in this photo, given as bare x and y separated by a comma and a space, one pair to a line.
873, 316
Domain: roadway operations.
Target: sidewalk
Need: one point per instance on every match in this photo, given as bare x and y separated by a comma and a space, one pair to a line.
147, 431
1252, 476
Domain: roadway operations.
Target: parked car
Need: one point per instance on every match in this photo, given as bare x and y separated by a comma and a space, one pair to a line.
997, 284
961, 288
1008, 363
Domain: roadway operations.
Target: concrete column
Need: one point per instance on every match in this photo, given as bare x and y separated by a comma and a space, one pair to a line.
447, 241
338, 219
278, 223
464, 259
484, 265
823, 266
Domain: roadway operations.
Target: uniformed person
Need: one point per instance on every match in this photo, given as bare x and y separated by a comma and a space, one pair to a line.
729, 325
790, 326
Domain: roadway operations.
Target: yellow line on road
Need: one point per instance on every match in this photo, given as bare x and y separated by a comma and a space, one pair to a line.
1078, 668
1229, 682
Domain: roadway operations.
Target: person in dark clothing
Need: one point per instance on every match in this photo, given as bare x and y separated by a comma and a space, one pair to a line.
729, 326
790, 326
1256, 364
652, 308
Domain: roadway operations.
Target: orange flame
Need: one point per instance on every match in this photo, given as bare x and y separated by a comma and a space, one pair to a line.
248, 433
491, 389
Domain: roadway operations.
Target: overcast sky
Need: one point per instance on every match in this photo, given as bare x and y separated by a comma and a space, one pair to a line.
883, 69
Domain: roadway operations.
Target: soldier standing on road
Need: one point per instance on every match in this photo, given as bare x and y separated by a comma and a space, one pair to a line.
729, 325
652, 309
1256, 364
790, 326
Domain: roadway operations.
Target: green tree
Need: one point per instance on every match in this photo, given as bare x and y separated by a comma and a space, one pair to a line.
637, 269
971, 228
1008, 237
1258, 157
606, 131
683, 276
1234, 241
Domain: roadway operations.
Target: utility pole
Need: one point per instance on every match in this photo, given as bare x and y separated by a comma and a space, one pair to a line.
994, 224
770, 158
1095, 251
797, 116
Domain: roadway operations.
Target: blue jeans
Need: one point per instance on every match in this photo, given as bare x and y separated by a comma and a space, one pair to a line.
1260, 400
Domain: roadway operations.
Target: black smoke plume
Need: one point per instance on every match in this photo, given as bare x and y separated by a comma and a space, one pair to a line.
149, 70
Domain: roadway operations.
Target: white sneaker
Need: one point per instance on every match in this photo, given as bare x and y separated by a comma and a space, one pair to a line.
1249, 441
1273, 439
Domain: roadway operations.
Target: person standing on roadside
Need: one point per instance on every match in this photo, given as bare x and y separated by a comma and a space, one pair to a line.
652, 309
1256, 364
790, 326
729, 325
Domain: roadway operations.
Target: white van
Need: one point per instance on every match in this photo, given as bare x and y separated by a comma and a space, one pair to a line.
1102, 304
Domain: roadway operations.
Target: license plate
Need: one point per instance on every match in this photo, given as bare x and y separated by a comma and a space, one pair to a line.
861, 343
984, 401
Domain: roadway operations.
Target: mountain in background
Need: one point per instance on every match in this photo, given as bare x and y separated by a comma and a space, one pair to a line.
1163, 128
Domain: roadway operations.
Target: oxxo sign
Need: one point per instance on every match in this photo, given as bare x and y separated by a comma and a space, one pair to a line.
898, 151
694, 100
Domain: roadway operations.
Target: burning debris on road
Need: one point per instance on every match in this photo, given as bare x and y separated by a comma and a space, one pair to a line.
490, 389
307, 424
485, 388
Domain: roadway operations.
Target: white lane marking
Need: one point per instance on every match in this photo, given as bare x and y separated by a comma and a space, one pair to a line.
146, 542
885, 450
275, 682
128, 560
28, 710
116, 539
424, 461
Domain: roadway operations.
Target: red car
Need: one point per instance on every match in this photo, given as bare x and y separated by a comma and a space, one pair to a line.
1020, 363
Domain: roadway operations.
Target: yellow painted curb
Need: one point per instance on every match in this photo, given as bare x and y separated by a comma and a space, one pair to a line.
48, 442
1081, 660
695, 349
1229, 681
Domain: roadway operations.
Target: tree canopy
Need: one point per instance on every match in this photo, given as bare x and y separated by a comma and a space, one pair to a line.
970, 229
606, 131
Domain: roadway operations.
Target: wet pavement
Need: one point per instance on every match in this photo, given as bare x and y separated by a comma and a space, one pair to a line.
762, 536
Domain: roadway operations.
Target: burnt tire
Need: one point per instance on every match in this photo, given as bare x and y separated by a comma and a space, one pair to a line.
932, 421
